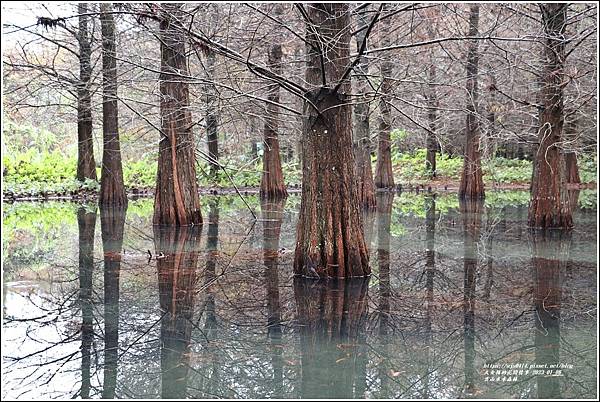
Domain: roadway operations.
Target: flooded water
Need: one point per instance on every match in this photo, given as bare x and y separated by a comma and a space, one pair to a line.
464, 301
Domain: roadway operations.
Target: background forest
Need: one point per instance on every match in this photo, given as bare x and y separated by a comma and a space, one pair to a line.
417, 50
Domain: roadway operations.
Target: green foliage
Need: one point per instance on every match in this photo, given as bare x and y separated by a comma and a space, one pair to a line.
140, 174
502, 170
587, 168
588, 199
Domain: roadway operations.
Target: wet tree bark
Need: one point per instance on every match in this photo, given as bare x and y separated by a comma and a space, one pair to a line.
471, 211
86, 165
176, 199
112, 187
330, 237
272, 184
362, 133
86, 221
112, 224
384, 176
549, 206
471, 181
272, 215
176, 283
550, 251
331, 316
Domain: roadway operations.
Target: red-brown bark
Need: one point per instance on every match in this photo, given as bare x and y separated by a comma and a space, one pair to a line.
362, 131
330, 236
572, 168
384, 175
549, 204
86, 165
176, 200
471, 181
112, 186
272, 184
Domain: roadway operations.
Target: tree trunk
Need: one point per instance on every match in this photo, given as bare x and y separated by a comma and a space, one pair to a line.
176, 282
112, 224
471, 181
112, 188
176, 199
432, 101
212, 116
471, 211
86, 165
330, 237
572, 168
384, 176
362, 133
549, 206
330, 314
272, 184
87, 227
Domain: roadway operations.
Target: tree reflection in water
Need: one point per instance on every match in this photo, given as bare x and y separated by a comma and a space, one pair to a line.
176, 264
272, 217
86, 221
471, 211
330, 316
112, 222
550, 249
219, 326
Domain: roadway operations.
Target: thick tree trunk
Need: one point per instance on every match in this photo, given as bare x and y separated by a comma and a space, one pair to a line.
87, 227
176, 282
384, 176
112, 224
272, 184
471, 211
330, 314
550, 251
112, 187
362, 131
572, 168
549, 206
330, 241
86, 165
272, 215
176, 199
471, 181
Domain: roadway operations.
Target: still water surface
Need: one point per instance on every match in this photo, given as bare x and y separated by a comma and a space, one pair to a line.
463, 302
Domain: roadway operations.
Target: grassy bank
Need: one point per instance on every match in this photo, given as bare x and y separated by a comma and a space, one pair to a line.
34, 173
